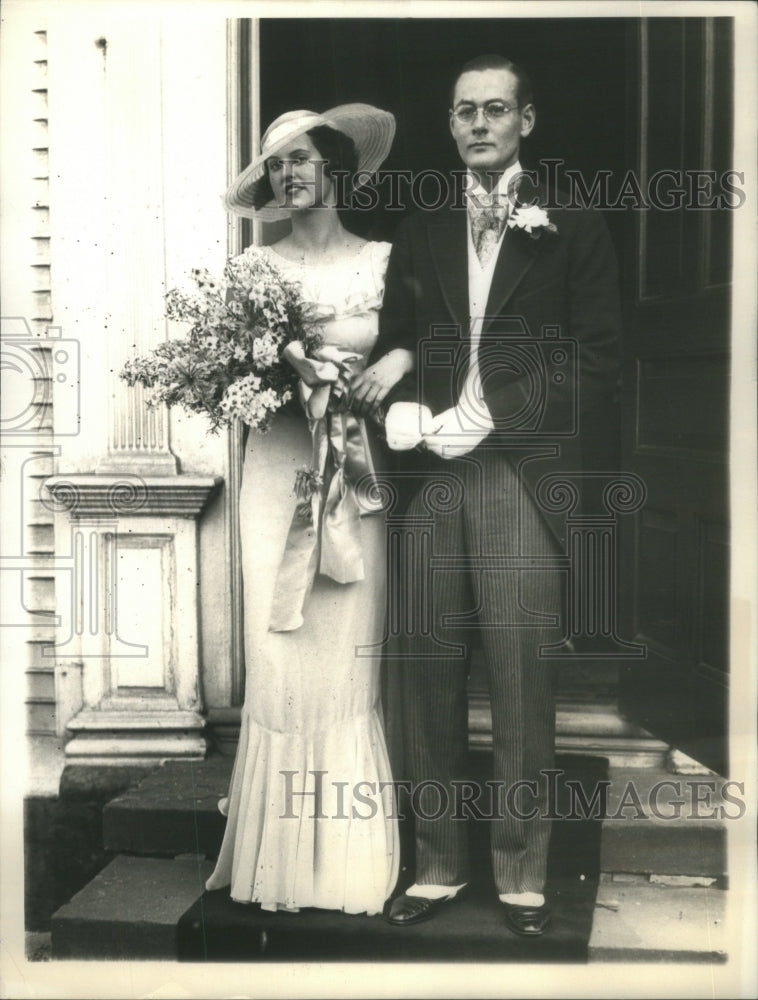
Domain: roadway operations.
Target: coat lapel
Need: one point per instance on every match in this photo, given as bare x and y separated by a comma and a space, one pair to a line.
517, 254
517, 251
448, 247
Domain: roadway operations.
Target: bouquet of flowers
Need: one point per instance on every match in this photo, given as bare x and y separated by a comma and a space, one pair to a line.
230, 365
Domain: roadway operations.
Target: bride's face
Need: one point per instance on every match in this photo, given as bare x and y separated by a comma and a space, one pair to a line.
297, 175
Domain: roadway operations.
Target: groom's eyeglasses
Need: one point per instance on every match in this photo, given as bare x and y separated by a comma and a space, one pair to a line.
493, 111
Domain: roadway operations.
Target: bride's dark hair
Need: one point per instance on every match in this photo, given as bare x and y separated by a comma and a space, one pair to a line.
335, 147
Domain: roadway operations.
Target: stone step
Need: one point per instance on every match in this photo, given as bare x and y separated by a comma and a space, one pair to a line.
655, 822
671, 824
657, 922
132, 909
174, 810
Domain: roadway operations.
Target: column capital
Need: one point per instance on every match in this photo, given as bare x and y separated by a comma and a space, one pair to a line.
121, 495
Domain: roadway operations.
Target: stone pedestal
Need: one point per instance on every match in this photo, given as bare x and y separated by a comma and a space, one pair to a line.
129, 614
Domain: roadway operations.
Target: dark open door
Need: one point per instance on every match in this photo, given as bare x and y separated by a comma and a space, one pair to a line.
674, 592
407, 66
658, 97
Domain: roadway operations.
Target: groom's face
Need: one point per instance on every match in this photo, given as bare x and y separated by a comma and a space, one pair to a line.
489, 146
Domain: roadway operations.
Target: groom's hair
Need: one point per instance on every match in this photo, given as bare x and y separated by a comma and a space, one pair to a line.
524, 89
334, 146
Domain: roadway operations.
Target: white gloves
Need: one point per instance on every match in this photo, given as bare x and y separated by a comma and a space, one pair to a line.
451, 434
457, 431
406, 424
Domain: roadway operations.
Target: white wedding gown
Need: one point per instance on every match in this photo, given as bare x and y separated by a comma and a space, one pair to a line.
311, 721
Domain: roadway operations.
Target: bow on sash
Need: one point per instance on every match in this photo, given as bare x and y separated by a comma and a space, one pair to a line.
325, 533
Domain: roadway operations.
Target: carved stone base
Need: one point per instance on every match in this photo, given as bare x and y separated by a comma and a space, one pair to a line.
129, 616
132, 737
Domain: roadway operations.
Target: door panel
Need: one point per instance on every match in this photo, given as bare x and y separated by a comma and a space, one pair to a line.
676, 393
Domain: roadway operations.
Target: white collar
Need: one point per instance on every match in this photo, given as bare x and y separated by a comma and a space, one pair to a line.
500, 191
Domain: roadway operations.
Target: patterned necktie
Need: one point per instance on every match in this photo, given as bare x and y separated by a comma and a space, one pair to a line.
486, 226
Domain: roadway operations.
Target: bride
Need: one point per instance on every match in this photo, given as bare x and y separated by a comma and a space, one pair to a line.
310, 822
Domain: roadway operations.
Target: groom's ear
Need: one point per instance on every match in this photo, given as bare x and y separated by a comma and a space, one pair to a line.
528, 119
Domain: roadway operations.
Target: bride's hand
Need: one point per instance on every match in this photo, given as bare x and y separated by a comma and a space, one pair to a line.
369, 388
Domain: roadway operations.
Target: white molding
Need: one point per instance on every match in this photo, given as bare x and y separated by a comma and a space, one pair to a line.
238, 104
121, 495
134, 209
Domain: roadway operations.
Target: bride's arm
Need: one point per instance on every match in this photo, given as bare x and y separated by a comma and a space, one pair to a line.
369, 388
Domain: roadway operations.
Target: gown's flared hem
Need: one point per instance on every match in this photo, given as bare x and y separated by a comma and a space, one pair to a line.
281, 908
311, 711
282, 847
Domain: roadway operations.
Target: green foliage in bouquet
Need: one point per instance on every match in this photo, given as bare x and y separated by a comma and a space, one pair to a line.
229, 366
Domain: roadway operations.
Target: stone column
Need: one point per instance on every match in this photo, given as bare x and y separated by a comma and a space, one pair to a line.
139, 126
138, 436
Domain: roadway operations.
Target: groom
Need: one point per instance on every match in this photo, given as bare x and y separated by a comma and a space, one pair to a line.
515, 331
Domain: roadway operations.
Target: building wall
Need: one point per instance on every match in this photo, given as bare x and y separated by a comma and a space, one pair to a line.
26, 581
115, 160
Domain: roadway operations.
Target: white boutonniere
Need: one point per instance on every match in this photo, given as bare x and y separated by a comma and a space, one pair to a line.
533, 219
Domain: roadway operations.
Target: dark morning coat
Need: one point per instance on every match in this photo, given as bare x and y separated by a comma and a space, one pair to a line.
549, 352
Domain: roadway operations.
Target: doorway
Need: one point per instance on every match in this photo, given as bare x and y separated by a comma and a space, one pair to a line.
407, 66
612, 95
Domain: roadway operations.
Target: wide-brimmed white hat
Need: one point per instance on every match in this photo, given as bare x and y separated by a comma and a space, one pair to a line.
371, 129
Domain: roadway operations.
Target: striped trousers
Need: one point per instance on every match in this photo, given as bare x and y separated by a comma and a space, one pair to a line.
513, 609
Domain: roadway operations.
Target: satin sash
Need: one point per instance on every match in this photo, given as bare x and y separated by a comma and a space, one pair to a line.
325, 532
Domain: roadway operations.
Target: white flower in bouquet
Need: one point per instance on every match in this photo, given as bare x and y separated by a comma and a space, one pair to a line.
246, 400
230, 365
266, 350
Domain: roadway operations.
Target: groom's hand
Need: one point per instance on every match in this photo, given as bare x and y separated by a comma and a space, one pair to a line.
406, 425
457, 431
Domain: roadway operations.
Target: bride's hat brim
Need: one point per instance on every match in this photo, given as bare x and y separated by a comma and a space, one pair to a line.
371, 129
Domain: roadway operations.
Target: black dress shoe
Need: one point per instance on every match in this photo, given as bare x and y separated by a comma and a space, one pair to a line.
407, 910
528, 921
